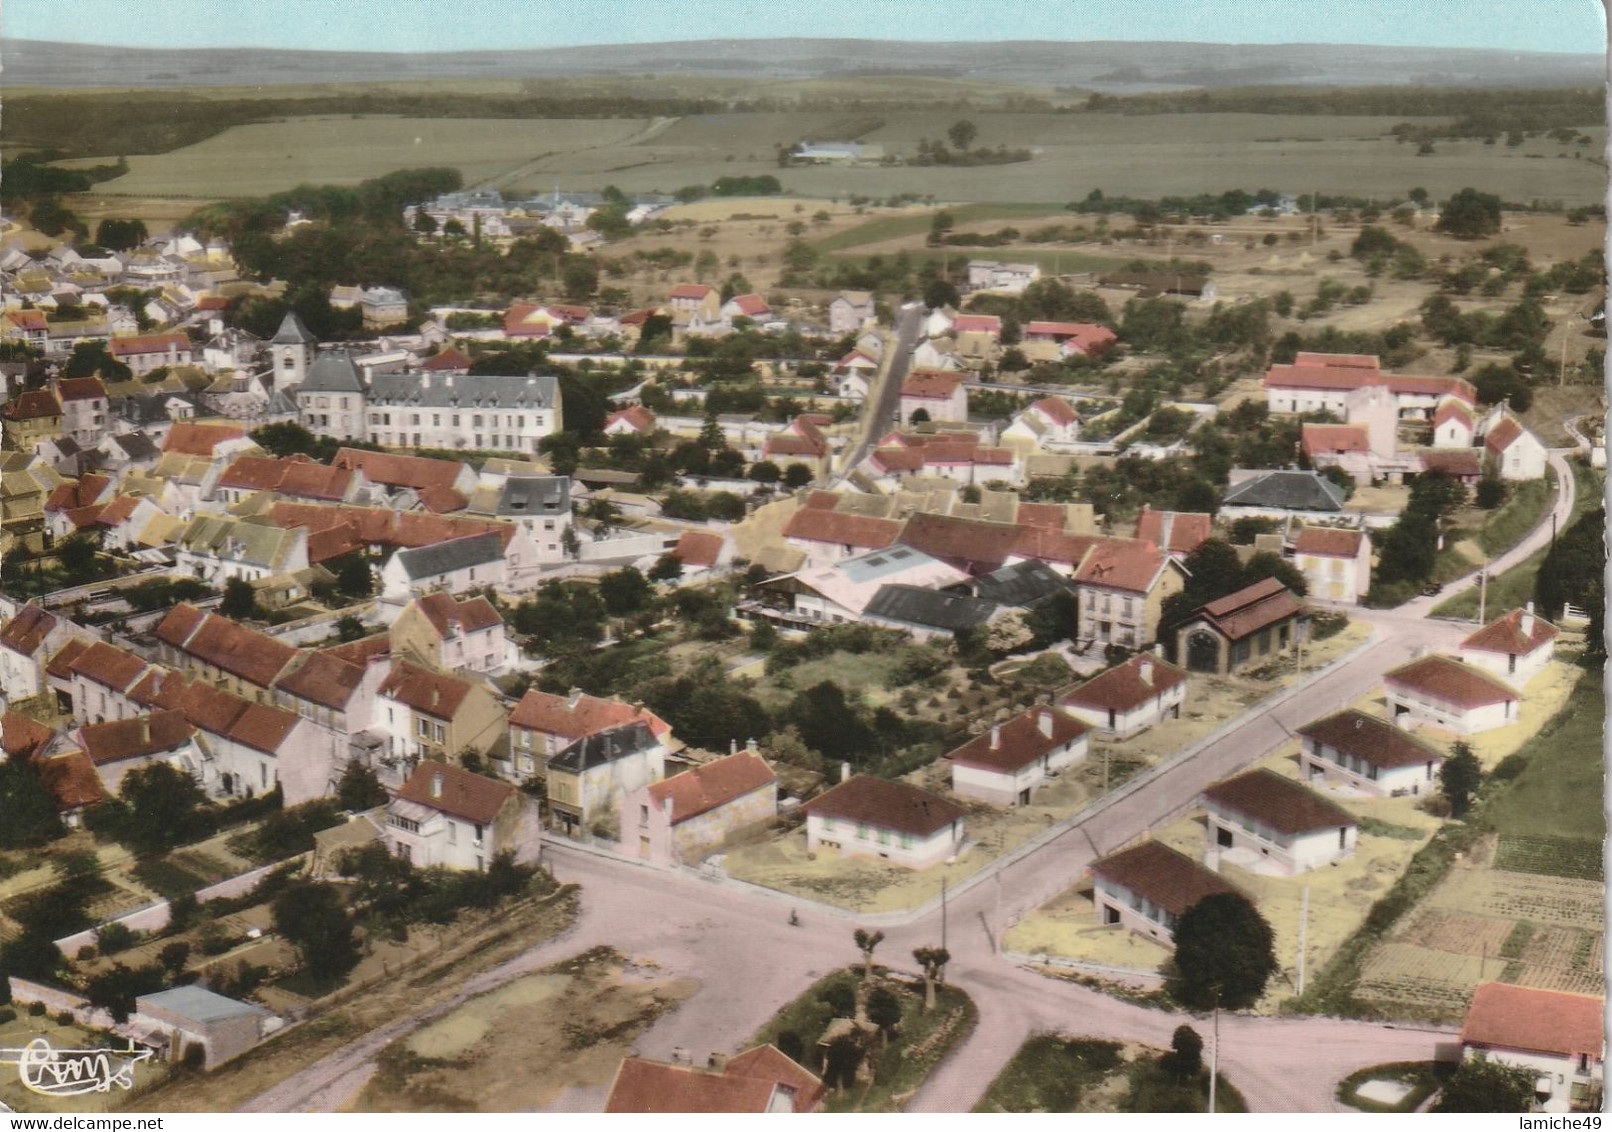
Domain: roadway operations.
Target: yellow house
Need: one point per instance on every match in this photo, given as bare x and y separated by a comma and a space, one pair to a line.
1120, 589
432, 715
34, 416
446, 633
23, 492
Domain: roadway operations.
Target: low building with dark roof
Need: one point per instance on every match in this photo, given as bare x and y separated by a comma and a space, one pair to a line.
927, 614
1270, 824
887, 821
1558, 1037
192, 1015
1515, 647
446, 815
681, 819
1149, 887
1024, 585
1004, 765
456, 565
1254, 626
1441, 691
1281, 493
587, 777
1130, 697
1369, 755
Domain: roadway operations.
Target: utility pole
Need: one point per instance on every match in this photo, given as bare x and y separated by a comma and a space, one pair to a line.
1304, 920
943, 913
1214, 1053
1483, 591
1561, 371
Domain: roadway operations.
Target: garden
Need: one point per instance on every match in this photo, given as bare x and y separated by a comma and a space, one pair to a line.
1054, 1073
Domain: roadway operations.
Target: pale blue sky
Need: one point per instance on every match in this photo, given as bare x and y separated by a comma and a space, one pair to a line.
445, 25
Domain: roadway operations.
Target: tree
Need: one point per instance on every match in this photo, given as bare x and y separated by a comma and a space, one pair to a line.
353, 575
1469, 215
312, 919
1459, 779
884, 1011
359, 788
115, 991
580, 277
240, 600
92, 359
797, 476
120, 235
866, 941
1269, 565
173, 957
666, 569
829, 723
940, 226
1491, 492
1225, 953
1574, 571
962, 134
163, 808
31, 818
940, 293
765, 472
625, 591
1481, 1085
1185, 1059
76, 554
933, 960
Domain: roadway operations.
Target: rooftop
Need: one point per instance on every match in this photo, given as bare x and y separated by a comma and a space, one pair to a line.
1447, 679
454, 790
1527, 1018
704, 788
886, 805
1372, 739
1020, 741
1517, 633
1277, 802
1172, 880
1127, 685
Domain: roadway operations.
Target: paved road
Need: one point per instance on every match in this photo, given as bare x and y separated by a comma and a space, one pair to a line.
879, 412
749, 961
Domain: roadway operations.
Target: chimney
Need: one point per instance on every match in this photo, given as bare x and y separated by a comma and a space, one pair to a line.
1044, 721
436, 785
733, 746
1145, 671
574, 696
145, 729
845, 772
1528, 621
425, 380
718, 1062
996, 738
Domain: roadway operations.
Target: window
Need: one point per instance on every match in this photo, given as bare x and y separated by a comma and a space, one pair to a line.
414, 418
407, 825
453, 833
828, 824
861, 832
422, 727
475, 421
436, 419
643, 815
439, 732
479, 829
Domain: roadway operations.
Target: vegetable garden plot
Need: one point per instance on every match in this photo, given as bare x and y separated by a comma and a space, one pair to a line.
1549, 856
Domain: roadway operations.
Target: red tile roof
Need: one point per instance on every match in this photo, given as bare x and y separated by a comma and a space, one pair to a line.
1503, 435
230, 647
751, 306
865, 532
1251, 609
434, 693
27, 320
216, 711
108, 665
748, 1083
638, 418
931, 384
704, 788
1278, 803
25, 632
1173, 881
381, 526
61, 665
118, 510
1045, 516
1187, 530
1505, 634
137, 738
886, 805
71, 780
1453, 461
149, 344
889, 460
1446, 679
33, 405
1020, 741
575, 718
977, 324
1344, 361
1057, 410
396, 470
1122, 564
692, 291
1126, 686
456, 791
1372, 739
192, 439
449, 360
1344, 372
80, 389
1320, 438
1452, 409
1329, 542
698, 548
1088, 336
81, 492
20, 737
470, 616
1544, 1021
1052, 546
323, 678
974, 545
287, 475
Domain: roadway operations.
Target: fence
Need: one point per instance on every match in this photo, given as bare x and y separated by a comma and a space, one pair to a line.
154, 916
1133, 976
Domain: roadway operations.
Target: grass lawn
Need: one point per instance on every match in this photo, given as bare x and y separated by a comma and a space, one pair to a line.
920, 1041
1061, 262
1560, 791
162, 876
1050, 1073
910, 224
1423, 1077
1527, 504
24, 1028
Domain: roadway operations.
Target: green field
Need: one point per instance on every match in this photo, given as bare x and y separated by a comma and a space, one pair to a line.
1560, 792
1148, 156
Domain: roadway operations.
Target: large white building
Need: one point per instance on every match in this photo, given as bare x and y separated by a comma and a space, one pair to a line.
1270, 824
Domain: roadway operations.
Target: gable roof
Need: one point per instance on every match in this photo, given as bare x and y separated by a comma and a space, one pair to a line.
1502, 635
324, 677
751, 305
1020, 741
380, 526
25, 632
698, 548
71, 780
1250, 609
976, 545
449, 359
434, 693
33, 405
1122, 564
1023, 584
193, 438
454, 790
1277, 802
1316, 439
704, 788
446, 613
580, 714
1178, 531
931, 384
815, 524
288, 475
107, 665
1127, 685
748, 1083
1329, 542
886, 805
1528, 1018
599, 748
1172, 880
1504, 434
931, 609
450, 555
1452, 461
22, 738
80, 388
333, 372
692, 291
217, 712
637, 417
1287, 491
1057, 410
394, 469
226, 645
1370, 738
137, 738
148, 344
1447, 679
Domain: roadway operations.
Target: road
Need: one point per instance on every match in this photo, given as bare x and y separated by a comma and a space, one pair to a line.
749, 961
879, 413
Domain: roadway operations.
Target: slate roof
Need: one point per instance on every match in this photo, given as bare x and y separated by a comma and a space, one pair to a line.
468, 392
1444, 678
292, 332
1528, 1018
332, 372
932, 609
886, 805
1287, 491
1372, 739
461, 793
1278, 803
703, 788
1022, 585
602, 747
450, 555
1172, 880
1123, 687
1502, 635
535, 495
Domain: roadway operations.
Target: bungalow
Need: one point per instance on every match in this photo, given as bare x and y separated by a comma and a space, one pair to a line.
1335, 562
1556, 1036
1516, 646
541, 725
1120, 589
448, 816
118, 746
635, 420
889, 821
431, 715
687, 816
1004, 765
1253, 626
587, 777
849, 311
751, 306
192, 1016
1442, 691
1369, 755
701, 551
1279, 494
1055, 341
1130, 697
759, 1080
1149, 887
1512, 451
1453, 426
1267, 823
937, 394
1047, 423
450, 634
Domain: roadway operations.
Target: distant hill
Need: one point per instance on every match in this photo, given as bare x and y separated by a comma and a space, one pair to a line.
1109, 67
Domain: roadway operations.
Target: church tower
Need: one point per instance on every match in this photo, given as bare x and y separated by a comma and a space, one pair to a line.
293, 349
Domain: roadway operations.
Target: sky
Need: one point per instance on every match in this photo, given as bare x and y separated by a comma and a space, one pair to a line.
448, 25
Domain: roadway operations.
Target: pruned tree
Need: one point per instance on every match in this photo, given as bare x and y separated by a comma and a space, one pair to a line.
865, 943
1185, 1059
884, 1011
933, 960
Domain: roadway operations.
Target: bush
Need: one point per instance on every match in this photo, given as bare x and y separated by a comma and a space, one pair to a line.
36, 1010
1491, 492
85, 952
65, 1018
7, 1015
113, 938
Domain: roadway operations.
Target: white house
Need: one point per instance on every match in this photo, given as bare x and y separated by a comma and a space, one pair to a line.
1013, 278
452, 635
27, 641
1270, 824
462, 411
1004, 765
939, 394
827, 537
542, 724
1559, 1037
1514, 647
1130, 697
1048, 423
1335, 562
456, 565
1149, 887
1515, 453
1316, 382
1368, 755
1453, 426
445, 815
849, 311
1442, 691
888, 821
118, 746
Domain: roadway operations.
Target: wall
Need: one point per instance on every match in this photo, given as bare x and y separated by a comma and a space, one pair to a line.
919, 854
1528, 665
1468, 721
